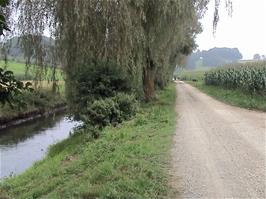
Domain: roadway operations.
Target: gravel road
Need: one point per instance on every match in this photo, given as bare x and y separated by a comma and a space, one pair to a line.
219, 150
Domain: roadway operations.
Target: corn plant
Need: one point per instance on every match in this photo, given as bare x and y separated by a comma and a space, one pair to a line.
249, 77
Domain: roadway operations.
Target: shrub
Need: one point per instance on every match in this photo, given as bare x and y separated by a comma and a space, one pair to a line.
110, 111
103, 113
10, 86
100, 94
127, 105
92, 81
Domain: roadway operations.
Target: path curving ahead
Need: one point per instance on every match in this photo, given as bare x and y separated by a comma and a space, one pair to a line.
219, 150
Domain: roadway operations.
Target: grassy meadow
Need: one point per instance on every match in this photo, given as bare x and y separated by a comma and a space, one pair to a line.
16, 67
19, 70
195, 75
127, 161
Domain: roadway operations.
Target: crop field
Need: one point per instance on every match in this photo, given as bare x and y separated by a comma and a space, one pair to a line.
249, 77
242, 84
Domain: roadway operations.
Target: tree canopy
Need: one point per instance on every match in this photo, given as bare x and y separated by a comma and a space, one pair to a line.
3, 23
213, 57
146, 38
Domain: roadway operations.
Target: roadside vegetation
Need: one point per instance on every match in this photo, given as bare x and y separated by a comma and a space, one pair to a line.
126, 161
234, 97
249, 77
242, 85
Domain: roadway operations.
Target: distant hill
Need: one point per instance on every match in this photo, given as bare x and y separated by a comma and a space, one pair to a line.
14, 50
213, 58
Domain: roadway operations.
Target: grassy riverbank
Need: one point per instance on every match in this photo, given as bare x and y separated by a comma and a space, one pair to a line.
26, 103
30, 102
127, 161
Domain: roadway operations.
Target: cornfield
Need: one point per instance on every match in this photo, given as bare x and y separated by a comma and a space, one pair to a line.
249, 77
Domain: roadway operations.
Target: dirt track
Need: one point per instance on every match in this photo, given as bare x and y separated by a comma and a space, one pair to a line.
219, 150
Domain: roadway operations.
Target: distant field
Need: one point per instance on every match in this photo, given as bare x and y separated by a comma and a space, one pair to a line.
19, 71
17, 68
197, 75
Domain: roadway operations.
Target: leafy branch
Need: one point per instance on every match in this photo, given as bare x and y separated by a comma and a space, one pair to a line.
3, 24
9, 86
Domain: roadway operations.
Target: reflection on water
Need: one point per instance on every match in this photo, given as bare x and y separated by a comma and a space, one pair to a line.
25, 144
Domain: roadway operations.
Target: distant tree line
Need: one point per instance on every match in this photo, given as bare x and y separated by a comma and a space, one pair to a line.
213, 57
12, 49
259, 57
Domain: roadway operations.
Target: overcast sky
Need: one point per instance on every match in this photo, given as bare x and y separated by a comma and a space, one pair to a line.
246, 30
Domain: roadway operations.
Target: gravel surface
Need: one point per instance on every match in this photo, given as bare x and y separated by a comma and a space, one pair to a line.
219, 150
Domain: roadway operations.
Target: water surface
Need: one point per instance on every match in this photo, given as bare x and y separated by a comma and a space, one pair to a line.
23, 145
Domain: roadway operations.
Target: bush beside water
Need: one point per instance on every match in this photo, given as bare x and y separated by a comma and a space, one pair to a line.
99, 93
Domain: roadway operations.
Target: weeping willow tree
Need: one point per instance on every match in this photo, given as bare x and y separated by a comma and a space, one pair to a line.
147, 38
167, 27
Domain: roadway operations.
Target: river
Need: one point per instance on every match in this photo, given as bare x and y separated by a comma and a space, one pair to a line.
21, 146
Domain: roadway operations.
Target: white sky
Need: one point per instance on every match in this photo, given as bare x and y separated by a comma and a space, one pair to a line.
246, 30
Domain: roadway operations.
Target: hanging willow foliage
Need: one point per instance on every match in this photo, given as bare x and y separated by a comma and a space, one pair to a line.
147, 38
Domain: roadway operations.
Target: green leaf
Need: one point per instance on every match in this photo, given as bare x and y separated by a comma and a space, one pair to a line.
8, 73
2, 18
4, 3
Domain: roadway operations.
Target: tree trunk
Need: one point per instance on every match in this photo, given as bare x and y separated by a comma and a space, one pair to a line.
149, 80
54, 87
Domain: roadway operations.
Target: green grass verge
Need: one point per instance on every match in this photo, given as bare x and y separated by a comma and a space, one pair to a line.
233, 97
127, 161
